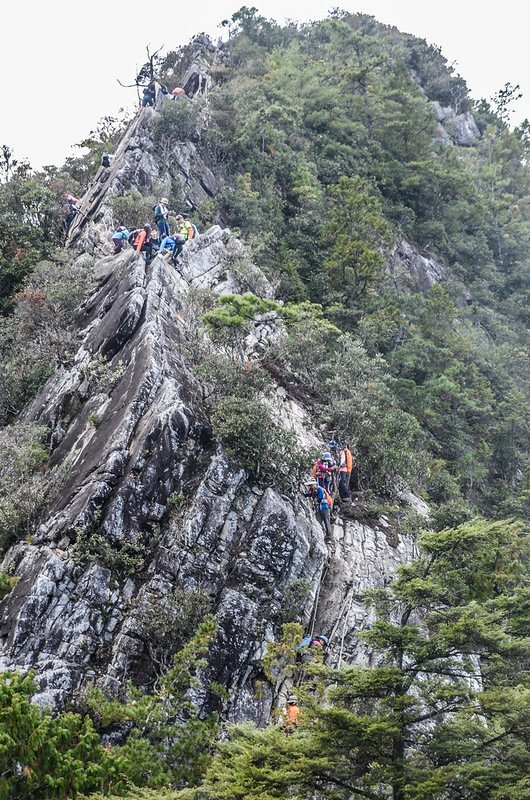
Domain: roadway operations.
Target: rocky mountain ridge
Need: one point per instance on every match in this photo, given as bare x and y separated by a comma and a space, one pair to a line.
143, 472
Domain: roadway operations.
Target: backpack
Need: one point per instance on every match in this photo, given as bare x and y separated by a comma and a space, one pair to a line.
105, 160
157, 213
191, 230
133, 235
327, 497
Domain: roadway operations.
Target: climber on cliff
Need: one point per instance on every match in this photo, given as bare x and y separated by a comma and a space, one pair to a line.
186, 229
174, 244
141, 237
291, 714
324, 470
345, 469
152, 246
149, 95
71, 210
146, 242
322, 503
177, 92
312, 648
161, 213
119, 238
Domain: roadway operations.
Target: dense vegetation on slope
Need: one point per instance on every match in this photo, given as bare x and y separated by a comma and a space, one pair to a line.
324, 136
31, 206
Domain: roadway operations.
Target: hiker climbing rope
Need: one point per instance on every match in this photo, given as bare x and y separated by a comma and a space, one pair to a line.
323, 505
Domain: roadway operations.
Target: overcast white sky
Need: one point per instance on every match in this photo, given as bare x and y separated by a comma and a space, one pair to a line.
60, 60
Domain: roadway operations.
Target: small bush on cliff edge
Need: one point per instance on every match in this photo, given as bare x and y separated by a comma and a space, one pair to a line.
177, 121
249, 433
22, 489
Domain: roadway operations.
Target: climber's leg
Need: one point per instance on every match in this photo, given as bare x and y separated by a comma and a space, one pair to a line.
324, 517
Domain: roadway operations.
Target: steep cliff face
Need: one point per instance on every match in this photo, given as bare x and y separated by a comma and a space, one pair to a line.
149, 503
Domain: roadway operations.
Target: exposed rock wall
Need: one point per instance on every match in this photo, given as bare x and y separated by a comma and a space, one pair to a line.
242, 543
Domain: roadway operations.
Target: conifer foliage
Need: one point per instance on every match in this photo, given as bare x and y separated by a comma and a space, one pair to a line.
443, 710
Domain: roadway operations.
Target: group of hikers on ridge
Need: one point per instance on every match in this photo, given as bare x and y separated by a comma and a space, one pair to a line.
150, 241
155, 92
331, 473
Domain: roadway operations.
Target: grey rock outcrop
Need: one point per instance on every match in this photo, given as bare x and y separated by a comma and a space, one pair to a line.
74, 619
411, 270
459, 129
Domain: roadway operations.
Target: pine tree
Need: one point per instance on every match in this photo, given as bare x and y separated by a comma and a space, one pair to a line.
443, 714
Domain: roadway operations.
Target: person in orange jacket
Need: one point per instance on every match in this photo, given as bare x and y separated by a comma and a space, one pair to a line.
145, 242
292, 712
142, 237
345, 469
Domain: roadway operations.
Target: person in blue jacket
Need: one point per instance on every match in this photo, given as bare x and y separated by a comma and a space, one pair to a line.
119, 238
174, 244
149, 94
322, 503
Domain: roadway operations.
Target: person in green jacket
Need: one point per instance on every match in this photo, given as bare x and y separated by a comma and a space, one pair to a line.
185, 228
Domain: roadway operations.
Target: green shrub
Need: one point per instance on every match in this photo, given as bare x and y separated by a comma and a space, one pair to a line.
49, 756
293, 600
169, 621
175, 502
168, 735
225, 377
125, 558
41, 333
5, 585
132, 209
231, 319
165, 740
22, 485
177, 121
247, 430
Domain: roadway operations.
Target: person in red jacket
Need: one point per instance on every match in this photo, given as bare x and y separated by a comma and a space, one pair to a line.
323, 471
